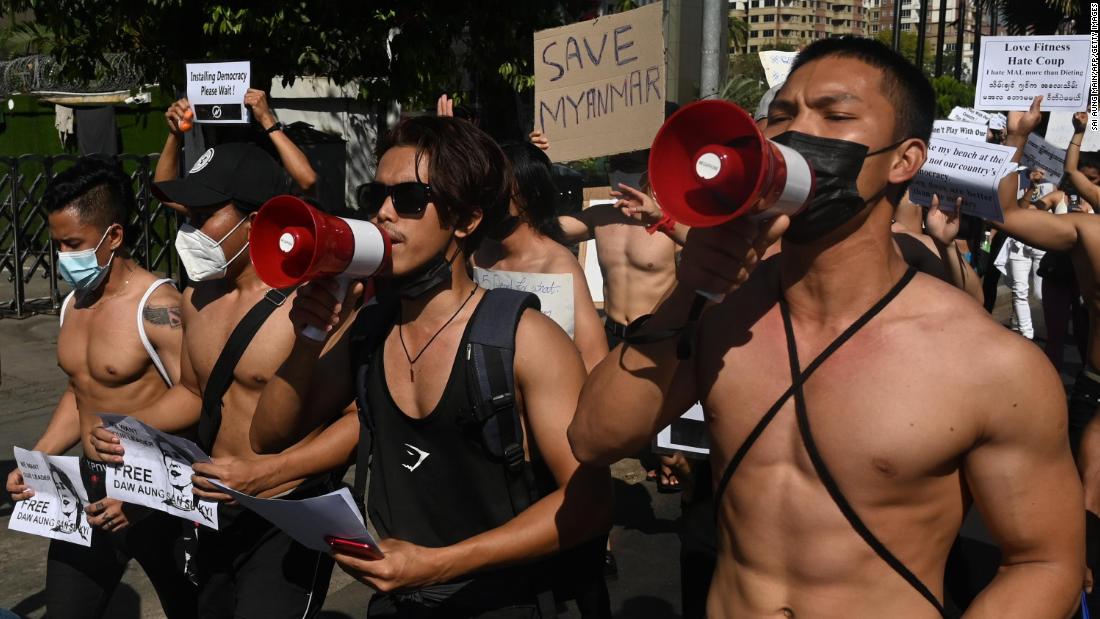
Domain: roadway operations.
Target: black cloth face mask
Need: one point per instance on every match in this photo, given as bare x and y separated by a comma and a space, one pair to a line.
836, 200
428, 277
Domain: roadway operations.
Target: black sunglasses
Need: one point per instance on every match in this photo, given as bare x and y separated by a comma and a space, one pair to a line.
409, 199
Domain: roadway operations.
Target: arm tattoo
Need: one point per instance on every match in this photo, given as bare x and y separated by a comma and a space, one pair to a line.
163, 316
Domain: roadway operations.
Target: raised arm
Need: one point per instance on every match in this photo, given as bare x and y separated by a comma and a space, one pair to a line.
314, 373
294, 160
1080, 182
549, 374
1025, 485
943, 229
180, 118
1033, 227
638, 389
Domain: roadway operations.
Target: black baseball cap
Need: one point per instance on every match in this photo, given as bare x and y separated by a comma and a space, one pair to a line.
236, 171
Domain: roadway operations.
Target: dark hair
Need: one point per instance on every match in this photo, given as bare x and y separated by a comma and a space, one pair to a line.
1089, 159
903, 83
468, 171
534, 178
96, 188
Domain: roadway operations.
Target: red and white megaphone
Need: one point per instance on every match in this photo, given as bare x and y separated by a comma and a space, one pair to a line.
710, 163
292, 243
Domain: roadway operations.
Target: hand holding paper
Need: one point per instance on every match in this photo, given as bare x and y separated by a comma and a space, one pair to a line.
404, 566
1021, 124
252, 476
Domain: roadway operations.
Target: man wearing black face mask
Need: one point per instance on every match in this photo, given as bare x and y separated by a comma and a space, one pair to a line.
236, 334
458, 541
845, 434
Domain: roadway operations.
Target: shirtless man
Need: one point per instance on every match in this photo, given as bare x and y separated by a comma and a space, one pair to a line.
528, 240
248, 568
909, 455
119, 344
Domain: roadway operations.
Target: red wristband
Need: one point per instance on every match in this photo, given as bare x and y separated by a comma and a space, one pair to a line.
666, 225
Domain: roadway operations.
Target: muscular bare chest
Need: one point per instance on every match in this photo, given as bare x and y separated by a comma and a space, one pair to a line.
101, 345
624, 246
209, 329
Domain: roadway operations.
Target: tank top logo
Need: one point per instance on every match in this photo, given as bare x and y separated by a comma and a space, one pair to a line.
418, 453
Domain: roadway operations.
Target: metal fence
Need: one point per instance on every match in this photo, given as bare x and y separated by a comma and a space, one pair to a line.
28, 274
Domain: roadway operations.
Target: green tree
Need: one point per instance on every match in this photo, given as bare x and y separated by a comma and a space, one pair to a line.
908, 43
404, 51
1042, 16
739, 34
950, 92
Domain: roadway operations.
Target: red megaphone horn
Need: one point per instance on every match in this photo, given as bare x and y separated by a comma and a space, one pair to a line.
292, 242
710, 163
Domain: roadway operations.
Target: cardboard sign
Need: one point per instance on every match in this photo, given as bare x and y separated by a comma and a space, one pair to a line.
216, 91
957, 129
56, 510
157, 471
1014, 70
1060, 132
600, 84
1042, 154
967, 168
554, 290
776, 66
688, 434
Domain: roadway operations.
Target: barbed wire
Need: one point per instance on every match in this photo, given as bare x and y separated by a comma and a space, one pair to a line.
42, 73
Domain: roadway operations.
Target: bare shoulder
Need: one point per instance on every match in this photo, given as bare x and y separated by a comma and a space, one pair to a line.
165, 294
538, 335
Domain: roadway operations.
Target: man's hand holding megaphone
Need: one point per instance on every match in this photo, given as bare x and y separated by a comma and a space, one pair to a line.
316, 305
717, 260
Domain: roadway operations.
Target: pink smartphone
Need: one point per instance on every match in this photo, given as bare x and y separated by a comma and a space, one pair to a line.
356, 548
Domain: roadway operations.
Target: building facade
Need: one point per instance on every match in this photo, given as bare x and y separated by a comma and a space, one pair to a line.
796, 23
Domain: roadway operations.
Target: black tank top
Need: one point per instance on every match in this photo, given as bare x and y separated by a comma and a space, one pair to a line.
431, 482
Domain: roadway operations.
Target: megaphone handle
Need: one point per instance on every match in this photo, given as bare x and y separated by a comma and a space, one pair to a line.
319, 335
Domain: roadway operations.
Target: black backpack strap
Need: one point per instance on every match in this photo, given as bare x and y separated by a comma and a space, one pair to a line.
221, 377
371, 326
491, 382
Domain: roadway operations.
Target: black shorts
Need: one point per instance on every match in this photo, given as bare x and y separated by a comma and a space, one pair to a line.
615, 332
80, 580
1083, 403
250, 569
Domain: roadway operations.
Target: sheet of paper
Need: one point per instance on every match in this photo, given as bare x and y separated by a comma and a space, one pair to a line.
56, 510
959, 129
310, 521
1014, 70
592, 271
688, 434
554, 290
1042, 154
998, 121
216, 91
1060, 132
776, 65
157, 471
966, 168
968, 115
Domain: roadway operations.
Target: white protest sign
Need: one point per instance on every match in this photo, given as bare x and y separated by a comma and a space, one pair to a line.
966, 168
958, 129
968, 115
56, 510
554, 290
1014, 70
998, 121
216, 91
688, 434
157, 471
309, 521
1042, 154
1060, 132
776, 65
600, 84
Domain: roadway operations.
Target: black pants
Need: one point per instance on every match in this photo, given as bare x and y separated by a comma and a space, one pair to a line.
487, 599
80, 580
1084, 400
250, 569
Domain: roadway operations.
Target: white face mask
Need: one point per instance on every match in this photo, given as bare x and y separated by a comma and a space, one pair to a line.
202, 256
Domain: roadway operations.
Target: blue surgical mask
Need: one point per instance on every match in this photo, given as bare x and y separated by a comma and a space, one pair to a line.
81, 270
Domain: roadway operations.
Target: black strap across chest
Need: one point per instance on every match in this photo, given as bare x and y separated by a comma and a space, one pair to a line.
798, 380
221, 377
